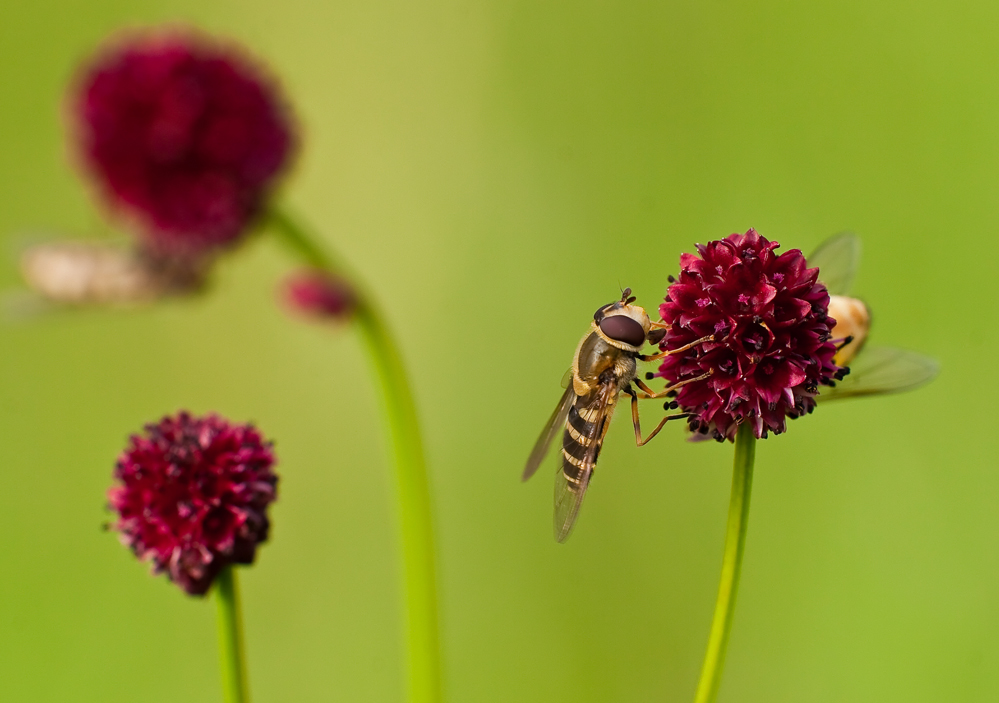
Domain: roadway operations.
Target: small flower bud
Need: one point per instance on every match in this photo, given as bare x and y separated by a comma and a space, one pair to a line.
318, 295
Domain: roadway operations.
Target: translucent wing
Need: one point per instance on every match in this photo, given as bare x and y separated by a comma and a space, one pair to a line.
878, 370
18, 306
567, 378
837, 258
571, 481
555, 423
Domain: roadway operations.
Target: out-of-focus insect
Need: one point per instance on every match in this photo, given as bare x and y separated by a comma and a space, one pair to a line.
605, 365
80, 273
873, 370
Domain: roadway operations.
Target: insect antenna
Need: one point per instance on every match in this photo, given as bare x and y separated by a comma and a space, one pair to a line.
656, 335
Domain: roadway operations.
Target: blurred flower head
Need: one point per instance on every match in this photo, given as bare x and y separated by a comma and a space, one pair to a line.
318, 295
772, 345
184, 134
192, 496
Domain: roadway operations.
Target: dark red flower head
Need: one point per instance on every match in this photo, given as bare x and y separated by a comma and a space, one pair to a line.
318, 295
184, 134
771, 348
192, 496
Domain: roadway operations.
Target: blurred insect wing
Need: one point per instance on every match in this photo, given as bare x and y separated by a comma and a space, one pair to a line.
555, 423
882, 370
837, 259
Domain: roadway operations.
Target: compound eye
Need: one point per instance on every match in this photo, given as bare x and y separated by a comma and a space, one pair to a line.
622, 328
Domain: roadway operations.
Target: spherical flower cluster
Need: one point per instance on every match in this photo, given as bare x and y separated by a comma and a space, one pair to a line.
192, 496
771, 344
318, 295
184, 135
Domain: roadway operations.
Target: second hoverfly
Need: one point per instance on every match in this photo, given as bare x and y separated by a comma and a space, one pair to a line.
605, 365
873, 370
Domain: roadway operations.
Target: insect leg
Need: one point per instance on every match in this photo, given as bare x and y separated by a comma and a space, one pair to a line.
643, 387
635, 421
685, 347
652, 357
651, 395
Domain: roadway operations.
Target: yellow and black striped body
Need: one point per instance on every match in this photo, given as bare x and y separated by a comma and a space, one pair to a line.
580, 433
602, 368
604, 364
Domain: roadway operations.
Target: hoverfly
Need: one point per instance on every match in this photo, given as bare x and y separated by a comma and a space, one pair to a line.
83, 273
873, 370
604, 366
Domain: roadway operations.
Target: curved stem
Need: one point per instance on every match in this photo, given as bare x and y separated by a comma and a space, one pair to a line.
410, 470
735, 542
230, 626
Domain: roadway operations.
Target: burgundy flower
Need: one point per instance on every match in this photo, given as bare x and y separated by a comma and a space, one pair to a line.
192, 496
184, 134
772, 345
317, 294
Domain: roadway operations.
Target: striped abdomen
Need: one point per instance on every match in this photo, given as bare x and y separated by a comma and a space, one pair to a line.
585, 427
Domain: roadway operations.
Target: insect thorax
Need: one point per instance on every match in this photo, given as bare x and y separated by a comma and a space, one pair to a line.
598, 361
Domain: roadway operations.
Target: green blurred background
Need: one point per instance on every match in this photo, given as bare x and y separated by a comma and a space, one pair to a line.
496, 171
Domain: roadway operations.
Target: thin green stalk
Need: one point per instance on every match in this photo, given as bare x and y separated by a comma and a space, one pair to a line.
410, 471
735, 542
230, 626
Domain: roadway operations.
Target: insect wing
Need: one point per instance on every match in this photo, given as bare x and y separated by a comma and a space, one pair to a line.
879, 370
567, 378
20, 306
837, 259
555, 423
569, 494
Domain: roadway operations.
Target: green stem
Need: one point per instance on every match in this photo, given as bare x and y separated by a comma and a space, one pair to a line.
735, 542
410, 470
230, 626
